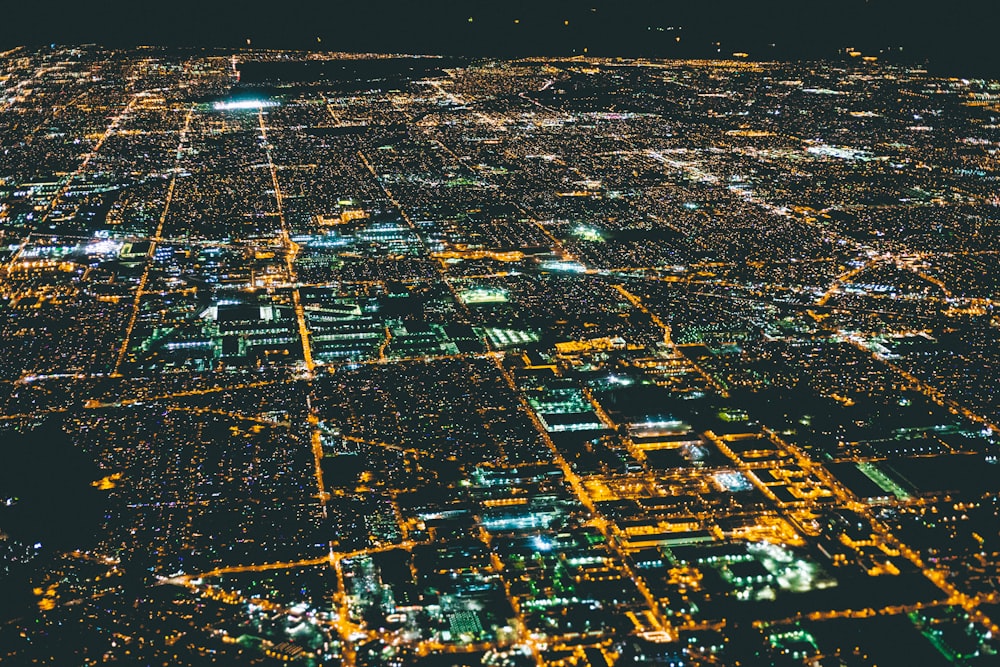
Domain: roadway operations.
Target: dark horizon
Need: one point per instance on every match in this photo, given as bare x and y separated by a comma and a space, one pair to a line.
953, 40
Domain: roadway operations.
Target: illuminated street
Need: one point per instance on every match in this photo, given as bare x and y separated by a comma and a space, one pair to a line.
326, 359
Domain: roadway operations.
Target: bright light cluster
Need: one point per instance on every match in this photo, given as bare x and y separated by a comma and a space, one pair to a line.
234, 105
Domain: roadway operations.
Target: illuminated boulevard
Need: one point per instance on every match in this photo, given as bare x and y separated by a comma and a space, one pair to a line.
328, 359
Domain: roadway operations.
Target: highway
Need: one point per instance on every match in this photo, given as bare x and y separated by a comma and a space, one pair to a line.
291, 249
137, 304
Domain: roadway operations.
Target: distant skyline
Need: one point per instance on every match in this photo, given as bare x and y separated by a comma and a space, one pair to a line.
954, 38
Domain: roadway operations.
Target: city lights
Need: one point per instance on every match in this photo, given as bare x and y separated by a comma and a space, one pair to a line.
241, 105
380, 360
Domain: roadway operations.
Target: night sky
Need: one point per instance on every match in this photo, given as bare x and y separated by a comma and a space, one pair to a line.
955, 37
